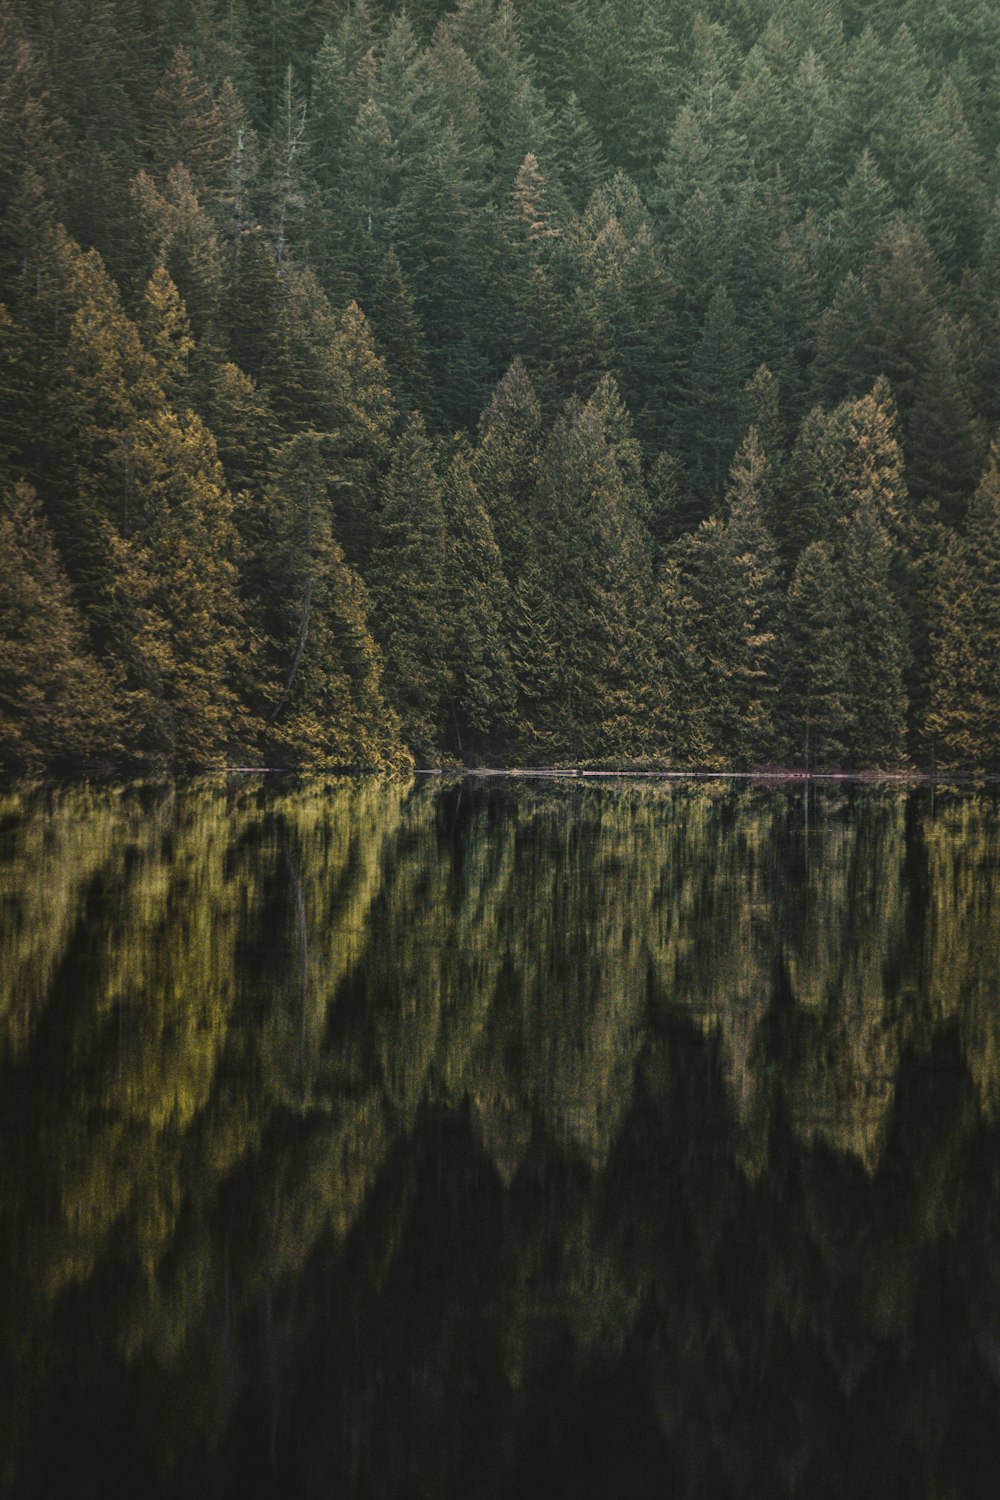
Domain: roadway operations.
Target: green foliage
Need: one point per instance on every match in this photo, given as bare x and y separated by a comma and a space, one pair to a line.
815, 708
237, 238
409, 580
57, 705
321, 691
964, 716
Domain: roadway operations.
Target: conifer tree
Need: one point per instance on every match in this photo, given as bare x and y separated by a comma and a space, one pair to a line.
578, 160
754, 554
963, 722
815, 709
321, 697
57, 704
193, 625
409, 583
400, 340
186, 128
813, 493
479, 610
364, 416
176, 232
718, 371
166, 332
598, 566
876, 644
505, 467
538, 665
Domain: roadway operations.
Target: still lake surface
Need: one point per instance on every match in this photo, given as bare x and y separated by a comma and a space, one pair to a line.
499, 1138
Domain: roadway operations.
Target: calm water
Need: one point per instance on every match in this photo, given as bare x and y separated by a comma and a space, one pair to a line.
504, 1139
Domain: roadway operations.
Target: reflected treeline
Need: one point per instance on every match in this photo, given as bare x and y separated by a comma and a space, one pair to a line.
397, 1138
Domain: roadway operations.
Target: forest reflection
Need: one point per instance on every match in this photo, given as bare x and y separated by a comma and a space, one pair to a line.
482, 1138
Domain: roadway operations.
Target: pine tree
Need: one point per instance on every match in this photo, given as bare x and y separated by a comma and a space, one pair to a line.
366, 198
876, 646
400, 340
321, 689
963, 722
625, 294
32, 144
680, 730
862, 215
342, 75
709, 429
409, 582
57, 704
505, 467
537, 668
813, 493
177, 233
364, 416
166, 332
579, 164
479, 610
285, 155
815, 709
193, 625
186, 128
754, 554
598, 566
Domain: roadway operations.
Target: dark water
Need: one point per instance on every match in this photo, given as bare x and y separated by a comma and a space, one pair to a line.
499, 1140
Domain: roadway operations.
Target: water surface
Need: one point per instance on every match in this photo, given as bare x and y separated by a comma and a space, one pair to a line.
509, 1139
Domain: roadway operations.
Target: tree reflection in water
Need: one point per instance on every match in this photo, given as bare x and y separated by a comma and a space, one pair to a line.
486, 1139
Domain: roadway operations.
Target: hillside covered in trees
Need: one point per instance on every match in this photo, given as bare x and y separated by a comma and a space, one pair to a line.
611, 380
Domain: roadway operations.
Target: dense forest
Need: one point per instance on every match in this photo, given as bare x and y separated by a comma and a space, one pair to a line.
608, 382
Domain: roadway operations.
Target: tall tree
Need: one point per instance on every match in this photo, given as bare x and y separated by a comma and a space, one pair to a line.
57, 704
876, 643
479, 611
963, 722
409, 582
816, 711
321, 695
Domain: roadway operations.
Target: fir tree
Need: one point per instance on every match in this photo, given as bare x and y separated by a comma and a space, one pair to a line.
963, 722
400, 340
876, 646
816, 713
479, 610
57, 704
323, 702
409, 582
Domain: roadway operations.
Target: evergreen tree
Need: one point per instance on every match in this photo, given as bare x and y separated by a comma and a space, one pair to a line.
192, 624
166, 332
479, 609
748, 501
57, 704
816, 711
505, 467
813, 493
186, 128
177, 233
321, 694
409, 583
876, 645
963, 722
578, 159
710, 426
400, 340
597, 565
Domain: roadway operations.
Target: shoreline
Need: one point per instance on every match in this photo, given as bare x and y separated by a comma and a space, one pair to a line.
770, 776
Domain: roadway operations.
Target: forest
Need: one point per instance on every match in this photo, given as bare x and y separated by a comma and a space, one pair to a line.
590, 382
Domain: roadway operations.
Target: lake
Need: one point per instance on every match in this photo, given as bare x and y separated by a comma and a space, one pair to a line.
488, 1138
